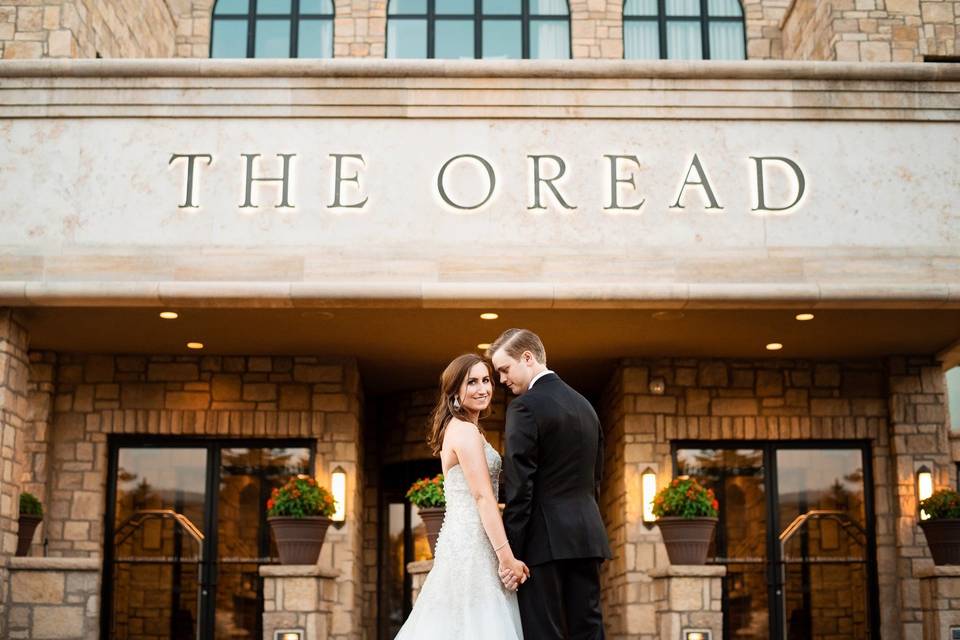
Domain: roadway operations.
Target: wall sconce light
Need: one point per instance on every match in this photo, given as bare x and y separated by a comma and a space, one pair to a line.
338, 486
924, 487
657, 386
288, 634
697, 634
648, 485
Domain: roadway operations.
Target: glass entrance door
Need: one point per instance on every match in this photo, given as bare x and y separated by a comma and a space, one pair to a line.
795, 536
188, 531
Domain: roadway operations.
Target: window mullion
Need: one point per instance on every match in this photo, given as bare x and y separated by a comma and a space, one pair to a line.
295, 29
252, 29
431, 19
477, 29
704, 30
662, 15
525, 28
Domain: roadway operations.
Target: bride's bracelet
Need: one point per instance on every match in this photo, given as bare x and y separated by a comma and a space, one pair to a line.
505, 542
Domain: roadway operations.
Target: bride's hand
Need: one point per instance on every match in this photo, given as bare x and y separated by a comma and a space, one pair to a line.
513, 573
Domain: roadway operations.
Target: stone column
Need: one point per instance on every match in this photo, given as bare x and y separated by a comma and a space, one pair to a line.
919, 436
418, 574
54, 598
299, 597
688, 598
14, 374
940, 598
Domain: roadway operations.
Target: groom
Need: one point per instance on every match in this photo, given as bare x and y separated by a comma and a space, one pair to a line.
553, 465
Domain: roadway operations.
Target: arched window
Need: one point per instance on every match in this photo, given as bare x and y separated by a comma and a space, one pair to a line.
272, 29
683, 30
478, 29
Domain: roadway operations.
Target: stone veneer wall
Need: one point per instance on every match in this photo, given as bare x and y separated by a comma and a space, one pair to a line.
897, 405
870, 30
283, 397
14, 410
853, 30
86, 28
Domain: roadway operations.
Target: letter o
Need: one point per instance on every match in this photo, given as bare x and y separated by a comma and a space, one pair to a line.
490, 174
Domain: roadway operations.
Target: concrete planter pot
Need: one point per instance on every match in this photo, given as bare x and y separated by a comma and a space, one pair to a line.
299, 540
432, 520
943, 538
28, 526
687, 539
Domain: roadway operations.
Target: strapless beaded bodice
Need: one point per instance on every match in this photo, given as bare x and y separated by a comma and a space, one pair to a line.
461, 523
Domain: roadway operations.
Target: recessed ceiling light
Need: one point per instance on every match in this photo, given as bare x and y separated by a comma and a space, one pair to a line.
483, 346
667, 315
803, 317
489, 316
774, 346
169, 315
194, 345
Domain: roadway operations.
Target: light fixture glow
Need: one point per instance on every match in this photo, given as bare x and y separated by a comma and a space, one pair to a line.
924, 487
288, 634
774, 346
194, 345
489, 316
803, 317
338, 486
483, 346
657, 386
696, 635
169, 315
648, 484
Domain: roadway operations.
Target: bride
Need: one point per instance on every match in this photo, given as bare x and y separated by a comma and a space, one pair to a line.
463, 597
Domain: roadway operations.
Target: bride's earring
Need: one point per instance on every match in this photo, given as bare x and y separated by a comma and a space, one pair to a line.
456, 403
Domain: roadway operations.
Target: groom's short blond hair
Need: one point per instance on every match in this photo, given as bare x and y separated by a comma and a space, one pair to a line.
514, 342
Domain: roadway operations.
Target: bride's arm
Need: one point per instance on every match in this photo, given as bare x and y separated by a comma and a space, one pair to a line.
463, 438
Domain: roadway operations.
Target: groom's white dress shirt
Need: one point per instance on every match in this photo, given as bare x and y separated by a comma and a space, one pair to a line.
537, 377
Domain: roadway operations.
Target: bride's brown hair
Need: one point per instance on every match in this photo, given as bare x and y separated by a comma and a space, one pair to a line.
448, 406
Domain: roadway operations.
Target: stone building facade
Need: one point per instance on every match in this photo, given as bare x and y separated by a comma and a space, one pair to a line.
304, 307
844, 30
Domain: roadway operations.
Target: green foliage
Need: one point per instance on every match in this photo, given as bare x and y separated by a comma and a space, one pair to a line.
30, 505
301, 497
427, 493
942, 505
685, 498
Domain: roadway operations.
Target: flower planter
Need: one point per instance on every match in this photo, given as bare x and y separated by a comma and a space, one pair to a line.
299, 539
432, 520
687, 539
28, 526
943, 538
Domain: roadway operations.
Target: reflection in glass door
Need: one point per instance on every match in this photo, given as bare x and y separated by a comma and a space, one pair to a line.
795, 536
170, 573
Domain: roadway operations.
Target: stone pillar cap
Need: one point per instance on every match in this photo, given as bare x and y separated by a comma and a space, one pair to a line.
420, 566
28, 563
939, 571
689, 571
298, 571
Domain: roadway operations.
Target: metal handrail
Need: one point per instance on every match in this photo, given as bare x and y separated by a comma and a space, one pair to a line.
135, 521
814, 514
138, 518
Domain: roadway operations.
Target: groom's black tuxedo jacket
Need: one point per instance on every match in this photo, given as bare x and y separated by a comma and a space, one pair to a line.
553, 467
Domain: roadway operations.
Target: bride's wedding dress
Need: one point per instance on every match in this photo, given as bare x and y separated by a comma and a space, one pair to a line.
462, 597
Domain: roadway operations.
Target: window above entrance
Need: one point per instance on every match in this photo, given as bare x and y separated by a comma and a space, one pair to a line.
683, 30
505, 29
272, 29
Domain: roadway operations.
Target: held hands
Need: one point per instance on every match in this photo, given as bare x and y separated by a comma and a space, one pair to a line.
513, 573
